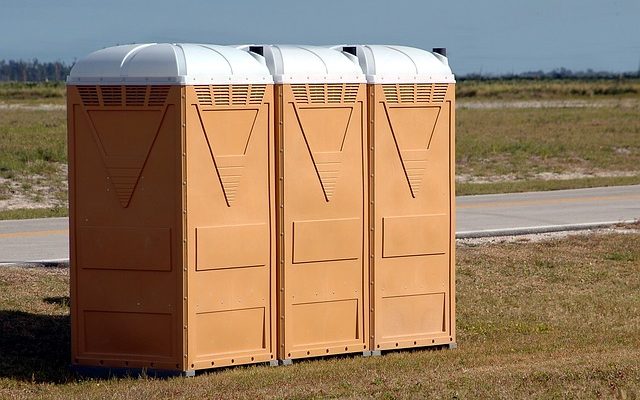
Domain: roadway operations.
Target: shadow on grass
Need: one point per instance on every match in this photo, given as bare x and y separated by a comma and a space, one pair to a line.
35, 347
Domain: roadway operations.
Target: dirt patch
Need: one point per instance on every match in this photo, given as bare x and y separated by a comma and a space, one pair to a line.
542, 237
32, 107
34, 191
545, 176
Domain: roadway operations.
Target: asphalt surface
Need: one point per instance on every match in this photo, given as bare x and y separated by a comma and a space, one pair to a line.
44, 239
47, 240
520, 213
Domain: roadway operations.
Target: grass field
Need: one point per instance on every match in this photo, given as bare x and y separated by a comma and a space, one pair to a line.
551, 319
499, 149
526, 89
32, 93
33, 156
514, 149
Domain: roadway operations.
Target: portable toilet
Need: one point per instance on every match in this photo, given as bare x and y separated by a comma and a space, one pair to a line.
172, 208
321, 168
411, 108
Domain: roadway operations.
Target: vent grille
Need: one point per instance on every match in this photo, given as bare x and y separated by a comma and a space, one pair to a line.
415, 93
118, 96
89, 95
158, 95
326, 93
230, 95
135, 95
111, 95
439, 93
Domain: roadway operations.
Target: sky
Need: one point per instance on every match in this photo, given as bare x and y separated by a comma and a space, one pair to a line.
489, 37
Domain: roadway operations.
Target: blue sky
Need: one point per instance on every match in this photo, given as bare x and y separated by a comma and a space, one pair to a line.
491, 36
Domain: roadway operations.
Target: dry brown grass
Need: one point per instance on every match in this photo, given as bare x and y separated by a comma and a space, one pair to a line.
551, 319
532, 89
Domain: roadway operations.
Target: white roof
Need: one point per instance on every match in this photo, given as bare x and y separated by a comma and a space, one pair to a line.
310, 64
173, 64
401, 64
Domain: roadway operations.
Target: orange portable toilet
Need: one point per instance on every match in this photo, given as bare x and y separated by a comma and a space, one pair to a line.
172, 208
411, 114
322, 195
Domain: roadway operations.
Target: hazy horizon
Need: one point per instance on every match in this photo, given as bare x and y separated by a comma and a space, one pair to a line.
494, 37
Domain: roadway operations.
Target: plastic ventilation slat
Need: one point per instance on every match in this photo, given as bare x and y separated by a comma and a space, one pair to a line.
158, 95
89, 95
415, 93
325, 93
111, 96
135, 95
225, 95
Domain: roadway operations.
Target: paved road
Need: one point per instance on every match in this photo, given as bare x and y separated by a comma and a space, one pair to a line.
45, 239
495, 214
485, 215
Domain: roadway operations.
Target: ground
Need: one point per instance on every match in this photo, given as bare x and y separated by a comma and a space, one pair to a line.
511, 136
550, 316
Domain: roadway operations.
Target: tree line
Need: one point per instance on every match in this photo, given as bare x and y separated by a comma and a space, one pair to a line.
560, 73
33, 71
37, 71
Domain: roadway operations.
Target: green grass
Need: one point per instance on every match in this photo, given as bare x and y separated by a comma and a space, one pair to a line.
525, 142
31, 141
547, 89
551, 319
32, 93
29, 213
537, 185
33, 155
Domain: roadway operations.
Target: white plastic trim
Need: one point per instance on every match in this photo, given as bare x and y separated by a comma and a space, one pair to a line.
310, 64
170, 64
401, 64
